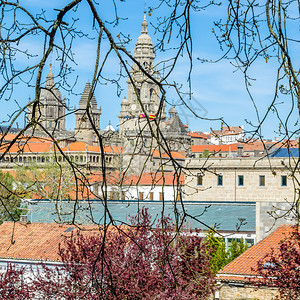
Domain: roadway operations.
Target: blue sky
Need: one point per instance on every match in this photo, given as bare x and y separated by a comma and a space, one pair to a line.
218, 89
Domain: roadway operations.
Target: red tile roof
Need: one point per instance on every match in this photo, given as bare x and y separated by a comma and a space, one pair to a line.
174, 154
82, 147
155, 179
244, 265
37, 147
213, 148
167, 178
199, 134
232, 130
36, 241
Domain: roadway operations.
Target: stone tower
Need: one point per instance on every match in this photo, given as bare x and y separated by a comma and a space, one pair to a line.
84, 130
51, 113
144, 91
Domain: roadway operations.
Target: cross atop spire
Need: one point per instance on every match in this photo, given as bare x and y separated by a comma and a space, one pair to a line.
144, 25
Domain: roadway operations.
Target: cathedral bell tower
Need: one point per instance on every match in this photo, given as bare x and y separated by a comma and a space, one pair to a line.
84, 130
144, 91
51, 112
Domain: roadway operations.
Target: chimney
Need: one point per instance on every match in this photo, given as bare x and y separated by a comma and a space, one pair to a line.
256, 153
240, 148
23, 219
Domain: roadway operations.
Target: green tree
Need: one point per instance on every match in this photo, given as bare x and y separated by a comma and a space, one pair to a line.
219, 255
54, 181
9, 199
216, 250
204, 154
236, 249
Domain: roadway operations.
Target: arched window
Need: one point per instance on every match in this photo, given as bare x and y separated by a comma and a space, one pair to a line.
151, 92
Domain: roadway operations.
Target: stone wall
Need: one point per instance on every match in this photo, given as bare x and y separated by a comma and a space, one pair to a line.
251, 191
230, 292
270, 215
273, 199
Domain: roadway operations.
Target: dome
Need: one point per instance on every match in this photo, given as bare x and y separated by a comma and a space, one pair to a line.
144, 46
109, 128
173, 110
144, 39
124, 101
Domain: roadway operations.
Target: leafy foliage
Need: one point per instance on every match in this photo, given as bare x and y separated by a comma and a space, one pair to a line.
9, 199
128, 262
12, 285
219, 256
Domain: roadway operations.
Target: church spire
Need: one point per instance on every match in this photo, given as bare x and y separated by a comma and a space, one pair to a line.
144, 25
50, 79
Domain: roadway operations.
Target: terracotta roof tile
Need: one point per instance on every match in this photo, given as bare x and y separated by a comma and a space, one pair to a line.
247, 261
37, 147
174, 154
214, 148
232, 130
158, 178
199, 134
38, 241
82, 146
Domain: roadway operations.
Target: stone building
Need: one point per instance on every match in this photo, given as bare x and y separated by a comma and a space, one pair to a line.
143, 123
267, 182
87, 116
51, 112
228, 135
143, 111
143, 93
235, 280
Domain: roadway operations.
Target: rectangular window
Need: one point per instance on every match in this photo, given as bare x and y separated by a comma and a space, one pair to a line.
199, 179
283, 180
220, 180
151, 196
123, 195
241, 180
262, 180
161, 196
141, 196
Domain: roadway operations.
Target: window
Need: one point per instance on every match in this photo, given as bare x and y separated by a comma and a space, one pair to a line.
161, 196
151, 196
262, 181
283, 180
220, 180
150, 94
240, 180
123, 195
141, 196
199, 179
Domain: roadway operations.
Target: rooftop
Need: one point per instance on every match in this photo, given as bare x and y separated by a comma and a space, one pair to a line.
243, 267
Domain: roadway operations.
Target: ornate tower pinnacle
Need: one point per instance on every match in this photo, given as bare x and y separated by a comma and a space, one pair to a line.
144, 25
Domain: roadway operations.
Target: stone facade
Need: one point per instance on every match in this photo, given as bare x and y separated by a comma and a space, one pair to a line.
239, 180
84, 130
51, 111
143, 123
245, 292
267, 182
144, 111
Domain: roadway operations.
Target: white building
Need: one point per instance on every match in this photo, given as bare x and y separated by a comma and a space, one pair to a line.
228, 135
